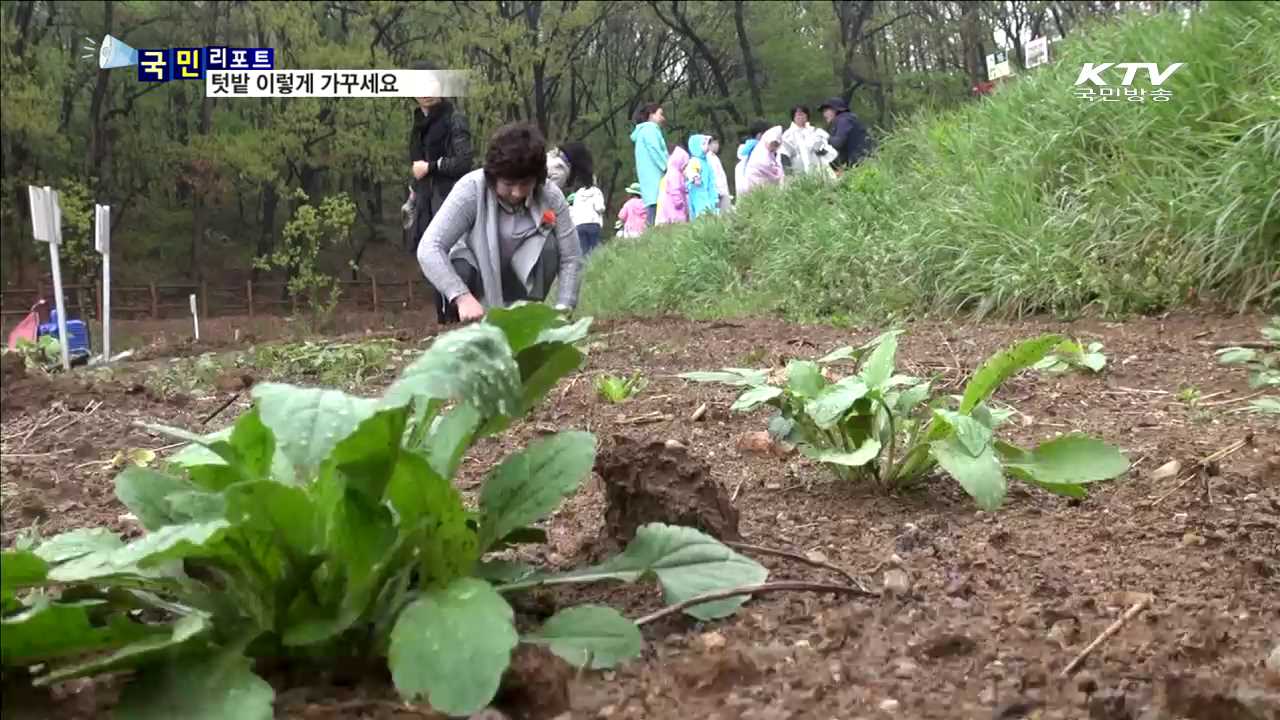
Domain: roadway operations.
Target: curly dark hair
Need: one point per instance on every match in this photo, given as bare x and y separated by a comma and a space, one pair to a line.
517, 151
801, 108
581, 165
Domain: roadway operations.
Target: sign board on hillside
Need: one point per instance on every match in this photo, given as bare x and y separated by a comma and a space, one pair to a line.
998, 65
1037, 52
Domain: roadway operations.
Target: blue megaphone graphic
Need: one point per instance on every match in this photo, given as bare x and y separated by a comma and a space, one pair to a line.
115, 53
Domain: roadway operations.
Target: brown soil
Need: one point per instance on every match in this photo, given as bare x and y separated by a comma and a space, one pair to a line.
994, 605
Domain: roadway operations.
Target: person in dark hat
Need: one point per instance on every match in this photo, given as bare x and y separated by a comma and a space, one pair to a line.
848, 135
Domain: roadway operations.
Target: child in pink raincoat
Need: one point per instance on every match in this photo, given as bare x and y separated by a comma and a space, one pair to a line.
674, 207
633, 215
763, 166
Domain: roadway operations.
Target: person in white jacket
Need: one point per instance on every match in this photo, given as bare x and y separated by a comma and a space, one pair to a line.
722, 181
804, 148
754, 131
587, 210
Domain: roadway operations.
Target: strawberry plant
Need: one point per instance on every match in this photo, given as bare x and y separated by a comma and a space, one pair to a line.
881, 426
324, 528
1070, 354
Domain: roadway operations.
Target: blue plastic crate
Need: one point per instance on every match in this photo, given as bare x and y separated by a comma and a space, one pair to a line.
78, 345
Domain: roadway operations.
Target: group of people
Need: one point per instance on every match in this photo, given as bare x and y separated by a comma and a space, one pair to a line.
679, 184
491, 236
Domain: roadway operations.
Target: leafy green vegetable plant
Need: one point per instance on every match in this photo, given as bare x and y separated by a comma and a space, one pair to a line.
618, 389
1070, 354
1263, 364
880, 426
42, 354
324, 527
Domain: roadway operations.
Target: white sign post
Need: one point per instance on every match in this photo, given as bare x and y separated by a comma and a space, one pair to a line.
46, 225
195, 319
102, 243
1037, 52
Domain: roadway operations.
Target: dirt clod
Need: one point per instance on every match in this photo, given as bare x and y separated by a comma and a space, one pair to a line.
658, 482
535, 685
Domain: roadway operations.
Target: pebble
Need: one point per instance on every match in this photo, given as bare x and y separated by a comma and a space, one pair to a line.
1190, 539
890, 705
905, 668
712, 641
1273, 661
896, 581
816, 556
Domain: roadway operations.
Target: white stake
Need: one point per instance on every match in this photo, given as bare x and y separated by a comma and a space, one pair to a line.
102, 242
46, 225
195, 319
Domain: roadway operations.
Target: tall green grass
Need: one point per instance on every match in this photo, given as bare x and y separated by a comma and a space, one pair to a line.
1031, 201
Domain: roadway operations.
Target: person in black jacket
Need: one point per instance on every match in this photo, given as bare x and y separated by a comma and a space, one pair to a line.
441, 152
848, 135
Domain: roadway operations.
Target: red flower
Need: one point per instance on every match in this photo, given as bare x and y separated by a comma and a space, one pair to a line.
548, 217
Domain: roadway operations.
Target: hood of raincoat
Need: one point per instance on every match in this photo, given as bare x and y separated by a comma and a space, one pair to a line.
772, 135
642, 128
744, 150
675, 164
698, 146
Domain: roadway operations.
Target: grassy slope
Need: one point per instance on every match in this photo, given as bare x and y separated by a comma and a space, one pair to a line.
1032, 201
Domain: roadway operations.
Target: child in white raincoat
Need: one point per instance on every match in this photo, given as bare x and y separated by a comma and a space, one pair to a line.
804, 148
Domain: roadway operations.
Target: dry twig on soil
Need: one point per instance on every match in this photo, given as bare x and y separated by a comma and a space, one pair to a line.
753, 590
1112, 629
647, 418
1200, 465
1249, 344
800, 558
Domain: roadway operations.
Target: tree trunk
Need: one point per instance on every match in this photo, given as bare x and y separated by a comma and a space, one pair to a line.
748, 60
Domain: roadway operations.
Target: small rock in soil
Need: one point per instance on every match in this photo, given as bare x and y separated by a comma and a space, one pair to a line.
905, 668
1273, 662
1064, 633
535, 685
949, 645
890, 705
712, 641
1167, 470
654, 482
896, 581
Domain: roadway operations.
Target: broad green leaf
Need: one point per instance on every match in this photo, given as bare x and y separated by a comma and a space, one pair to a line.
1095, 361
431, 507
804, 379
869, 451
145, 493
541, 367
452, 646
188, 631
474, 363
911, 398
50, 630
21, 568
780, 427
308, 423
1002, 366
729, 376
196, 506
980, 476
686, 562
974, 436
522, 323
215, 464
878, 368
255, 444
1235, 355
1067, 460
569, 333
1266, 405
530, 484
78, 543
839, 354
284, 512
171, 542
449, 440
834, 401
366, 456
216, 686
755, 396
591, 635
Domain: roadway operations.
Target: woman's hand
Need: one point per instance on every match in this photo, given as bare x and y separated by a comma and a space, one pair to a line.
420, 169
469, 308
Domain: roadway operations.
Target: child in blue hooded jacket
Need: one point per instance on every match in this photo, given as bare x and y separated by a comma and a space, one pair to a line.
700, 179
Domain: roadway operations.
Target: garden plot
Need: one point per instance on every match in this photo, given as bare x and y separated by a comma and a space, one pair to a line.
975, 612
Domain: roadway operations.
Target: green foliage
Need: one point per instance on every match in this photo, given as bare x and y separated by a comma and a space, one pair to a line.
876, 425
616, 389
44, 354
312, 229
1263, 365
1070, 354
1030, 201
327, 363
323, 526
